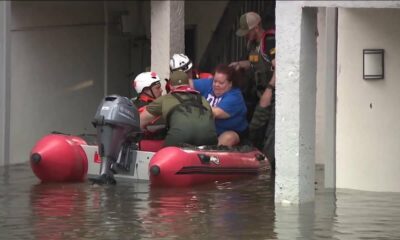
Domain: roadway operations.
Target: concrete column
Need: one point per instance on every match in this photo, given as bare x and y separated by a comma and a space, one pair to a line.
4, 82
295, 103
329, 101
321, 74
167, 34
326, 94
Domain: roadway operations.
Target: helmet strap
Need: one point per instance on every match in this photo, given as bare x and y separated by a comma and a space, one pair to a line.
151, 89
152, 93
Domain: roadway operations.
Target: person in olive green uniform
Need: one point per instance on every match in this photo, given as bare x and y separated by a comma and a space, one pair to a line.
188, 115
261, 51
262, 125
261, 62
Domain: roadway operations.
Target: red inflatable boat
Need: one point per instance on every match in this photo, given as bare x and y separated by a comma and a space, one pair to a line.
183, 167
59, 158
119, 151
62, 158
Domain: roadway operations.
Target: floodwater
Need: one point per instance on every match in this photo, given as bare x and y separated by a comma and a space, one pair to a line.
235, 210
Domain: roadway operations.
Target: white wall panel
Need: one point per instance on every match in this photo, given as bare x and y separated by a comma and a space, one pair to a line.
56, 84
368, 130
4, 81
35, 14
58, 63
319, 116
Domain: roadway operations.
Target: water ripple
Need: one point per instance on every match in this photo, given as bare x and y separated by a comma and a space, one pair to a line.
220, 210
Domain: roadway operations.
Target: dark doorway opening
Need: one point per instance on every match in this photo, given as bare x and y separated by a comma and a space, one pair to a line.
190, 42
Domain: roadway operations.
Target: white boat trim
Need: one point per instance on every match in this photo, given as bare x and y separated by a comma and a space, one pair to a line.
139, 169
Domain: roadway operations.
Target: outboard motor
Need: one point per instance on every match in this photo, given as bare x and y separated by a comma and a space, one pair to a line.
117, 121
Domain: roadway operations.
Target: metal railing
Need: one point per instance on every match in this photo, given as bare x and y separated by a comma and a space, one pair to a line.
225, 46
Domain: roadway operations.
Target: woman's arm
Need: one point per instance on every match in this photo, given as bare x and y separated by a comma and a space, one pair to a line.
219, 113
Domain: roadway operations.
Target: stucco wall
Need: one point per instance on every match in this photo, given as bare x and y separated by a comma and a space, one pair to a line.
319, 114
368, 132
4, 81
56, 70
295, 103
63, 61
350, 4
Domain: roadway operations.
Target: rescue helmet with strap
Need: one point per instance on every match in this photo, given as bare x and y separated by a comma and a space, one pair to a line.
180, 62
145, 80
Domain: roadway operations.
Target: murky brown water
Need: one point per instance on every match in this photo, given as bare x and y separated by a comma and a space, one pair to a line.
237, 210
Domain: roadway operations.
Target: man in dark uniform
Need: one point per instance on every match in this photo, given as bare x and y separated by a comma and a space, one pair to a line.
261, 47
188, 115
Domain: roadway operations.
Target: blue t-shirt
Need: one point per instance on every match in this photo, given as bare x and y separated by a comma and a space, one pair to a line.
231, 102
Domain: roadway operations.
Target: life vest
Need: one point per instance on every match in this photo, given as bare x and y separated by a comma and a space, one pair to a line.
260, 56
167, 86
183, 89
267, 53
197, 74
142, 101
205, 75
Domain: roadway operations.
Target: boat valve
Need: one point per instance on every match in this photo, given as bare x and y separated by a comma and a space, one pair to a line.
155, 170
35, 158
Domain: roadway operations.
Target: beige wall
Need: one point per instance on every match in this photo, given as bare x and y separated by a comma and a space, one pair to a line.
63, 61
56, 70
368, 130
61, 58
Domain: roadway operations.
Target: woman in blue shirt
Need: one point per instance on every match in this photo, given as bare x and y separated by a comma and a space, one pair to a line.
228, 105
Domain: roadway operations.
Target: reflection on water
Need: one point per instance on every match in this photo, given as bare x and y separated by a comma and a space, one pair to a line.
236, 210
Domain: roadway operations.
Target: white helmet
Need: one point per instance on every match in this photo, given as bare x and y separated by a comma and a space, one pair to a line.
180, 62
144, 80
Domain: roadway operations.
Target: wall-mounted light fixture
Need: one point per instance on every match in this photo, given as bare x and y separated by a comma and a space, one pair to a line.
373, 64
